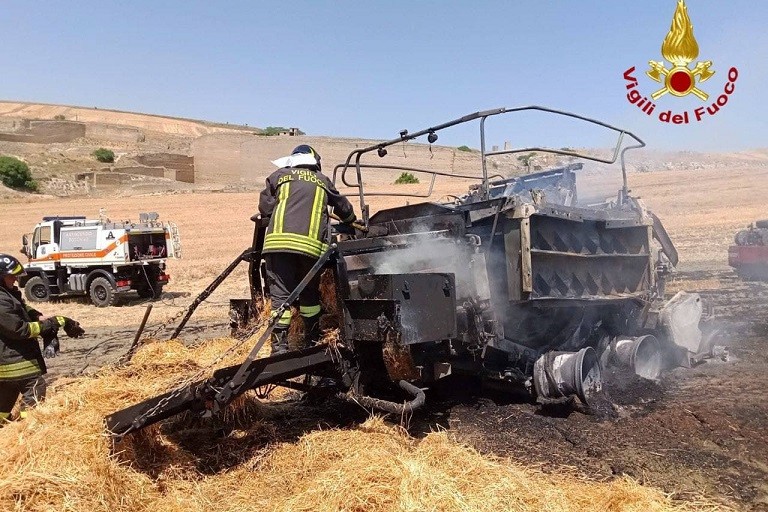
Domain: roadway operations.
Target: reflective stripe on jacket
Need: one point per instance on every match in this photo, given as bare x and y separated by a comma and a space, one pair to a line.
20, 355
296, 200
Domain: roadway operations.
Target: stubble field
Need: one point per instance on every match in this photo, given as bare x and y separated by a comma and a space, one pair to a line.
700, 209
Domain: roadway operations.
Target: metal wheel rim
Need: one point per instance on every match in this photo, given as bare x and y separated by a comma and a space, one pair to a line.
100, 292
39, 291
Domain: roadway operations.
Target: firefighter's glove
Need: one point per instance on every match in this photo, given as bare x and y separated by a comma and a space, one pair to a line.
349, 220
71, 327
50, 346
49, 327
34, 314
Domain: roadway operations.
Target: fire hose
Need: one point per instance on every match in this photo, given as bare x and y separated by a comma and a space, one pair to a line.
386, 405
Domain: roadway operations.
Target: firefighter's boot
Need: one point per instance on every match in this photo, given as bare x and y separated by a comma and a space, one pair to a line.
311, 330
279, 341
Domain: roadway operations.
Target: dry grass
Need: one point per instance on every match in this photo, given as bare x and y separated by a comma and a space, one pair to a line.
58, 459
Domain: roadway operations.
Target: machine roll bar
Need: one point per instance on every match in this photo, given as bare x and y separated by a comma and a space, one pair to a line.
353, 159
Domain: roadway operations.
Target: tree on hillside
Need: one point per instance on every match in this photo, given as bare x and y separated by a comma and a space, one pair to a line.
104, 155
277, 130
526, 159
406, 178
15, 174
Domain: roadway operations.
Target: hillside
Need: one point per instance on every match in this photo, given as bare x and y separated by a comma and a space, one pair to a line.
151, 122
156, 153
152, 152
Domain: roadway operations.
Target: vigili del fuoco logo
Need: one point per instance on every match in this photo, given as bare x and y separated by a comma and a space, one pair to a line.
679, 78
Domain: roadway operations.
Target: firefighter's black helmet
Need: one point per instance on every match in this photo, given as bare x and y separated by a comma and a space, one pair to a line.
10, 266
306, 149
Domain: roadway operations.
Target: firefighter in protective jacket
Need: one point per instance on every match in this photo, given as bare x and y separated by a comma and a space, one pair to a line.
21, 361
296, 200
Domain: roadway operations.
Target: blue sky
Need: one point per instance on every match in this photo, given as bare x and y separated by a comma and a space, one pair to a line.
368, 69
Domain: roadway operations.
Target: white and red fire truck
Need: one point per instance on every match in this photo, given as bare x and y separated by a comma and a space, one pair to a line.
99, 258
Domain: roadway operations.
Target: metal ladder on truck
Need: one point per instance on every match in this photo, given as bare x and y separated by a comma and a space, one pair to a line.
175, 239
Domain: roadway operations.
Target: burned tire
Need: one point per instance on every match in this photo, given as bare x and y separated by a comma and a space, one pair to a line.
102, 292
37, 290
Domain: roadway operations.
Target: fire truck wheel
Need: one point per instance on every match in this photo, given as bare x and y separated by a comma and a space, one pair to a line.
36, 290
102, 292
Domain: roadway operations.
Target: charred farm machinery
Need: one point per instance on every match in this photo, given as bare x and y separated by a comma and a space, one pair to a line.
515, 282
749, 254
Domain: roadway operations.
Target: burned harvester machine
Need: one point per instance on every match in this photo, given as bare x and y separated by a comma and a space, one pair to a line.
514, 282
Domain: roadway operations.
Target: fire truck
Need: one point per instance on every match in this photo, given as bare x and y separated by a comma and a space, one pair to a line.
99, 258
749, 255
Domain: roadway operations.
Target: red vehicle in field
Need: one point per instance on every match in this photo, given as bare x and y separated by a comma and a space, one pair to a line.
749, 255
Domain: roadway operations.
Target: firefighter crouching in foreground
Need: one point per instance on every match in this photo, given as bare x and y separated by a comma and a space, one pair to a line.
21, 361
296, 199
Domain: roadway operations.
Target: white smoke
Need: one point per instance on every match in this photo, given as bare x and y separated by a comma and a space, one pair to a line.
430, 255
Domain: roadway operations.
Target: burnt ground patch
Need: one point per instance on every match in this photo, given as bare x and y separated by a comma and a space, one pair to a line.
697, 431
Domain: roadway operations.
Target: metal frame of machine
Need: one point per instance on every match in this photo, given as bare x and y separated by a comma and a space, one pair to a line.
512, 282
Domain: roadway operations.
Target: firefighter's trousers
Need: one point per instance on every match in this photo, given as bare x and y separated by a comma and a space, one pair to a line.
285, 271
32, 390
